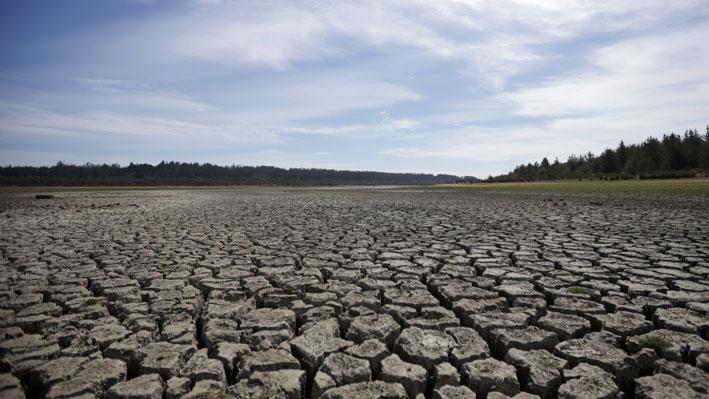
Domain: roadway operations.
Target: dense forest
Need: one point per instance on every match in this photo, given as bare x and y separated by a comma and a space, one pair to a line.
179, 173
672, 156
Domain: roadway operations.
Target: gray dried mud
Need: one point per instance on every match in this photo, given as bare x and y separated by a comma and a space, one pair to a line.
352, 293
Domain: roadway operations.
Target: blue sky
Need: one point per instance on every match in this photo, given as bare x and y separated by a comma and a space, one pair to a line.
450, 86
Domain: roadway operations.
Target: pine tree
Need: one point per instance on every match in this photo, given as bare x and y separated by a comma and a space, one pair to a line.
622, 153
609, 162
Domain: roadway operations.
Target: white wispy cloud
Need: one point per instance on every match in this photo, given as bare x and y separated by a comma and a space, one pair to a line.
259, 115
324, 96
113, 93
496, 39
29, 120
632, 89
385, 129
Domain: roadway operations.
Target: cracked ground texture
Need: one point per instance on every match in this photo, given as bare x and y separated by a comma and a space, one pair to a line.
352, 293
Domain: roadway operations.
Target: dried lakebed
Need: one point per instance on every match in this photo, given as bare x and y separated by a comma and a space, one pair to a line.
418, 293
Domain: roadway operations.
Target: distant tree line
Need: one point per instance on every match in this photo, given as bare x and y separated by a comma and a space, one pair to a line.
672, 156
182, 173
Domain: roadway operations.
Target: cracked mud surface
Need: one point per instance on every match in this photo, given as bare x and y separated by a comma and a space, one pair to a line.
352, 293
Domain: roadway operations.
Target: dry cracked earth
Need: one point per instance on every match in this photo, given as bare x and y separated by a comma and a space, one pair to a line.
352, 293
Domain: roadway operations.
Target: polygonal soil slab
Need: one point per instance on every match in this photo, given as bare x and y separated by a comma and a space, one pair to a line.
381, 326
598, 353
411, 376
683, 320
539, 371
671, 345
424, 347
469, 346
523, 338
486, 375
587, 381
313, 346
147, 386
368, 390
661, 386
268, 319
566, 326
623, 323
